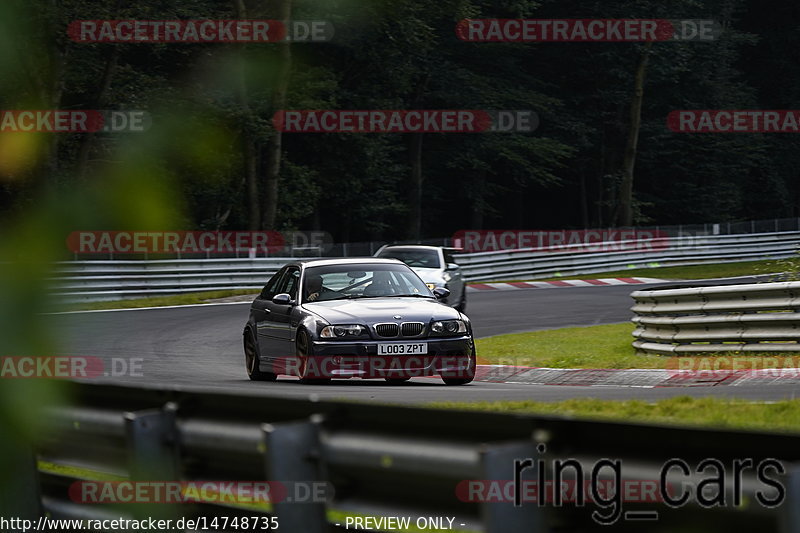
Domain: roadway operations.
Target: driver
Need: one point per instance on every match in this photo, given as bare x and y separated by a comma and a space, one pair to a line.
314, 288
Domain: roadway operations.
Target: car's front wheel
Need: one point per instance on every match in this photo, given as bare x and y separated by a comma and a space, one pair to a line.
251, 360
468, 373
306, 371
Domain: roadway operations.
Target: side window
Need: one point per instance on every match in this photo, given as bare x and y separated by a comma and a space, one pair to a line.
289, 282
269, 289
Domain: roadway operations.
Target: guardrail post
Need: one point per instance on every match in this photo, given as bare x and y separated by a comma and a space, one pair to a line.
152, 440
152, 443
497, 463
293, 456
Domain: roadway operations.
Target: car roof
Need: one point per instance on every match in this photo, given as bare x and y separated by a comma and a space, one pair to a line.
348, 261
410, 247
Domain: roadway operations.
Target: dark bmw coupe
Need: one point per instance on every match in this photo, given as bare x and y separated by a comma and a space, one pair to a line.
345, 318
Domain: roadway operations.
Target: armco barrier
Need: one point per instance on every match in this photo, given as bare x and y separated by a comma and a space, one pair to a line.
389, 461
113, 280
573, 259
760, 317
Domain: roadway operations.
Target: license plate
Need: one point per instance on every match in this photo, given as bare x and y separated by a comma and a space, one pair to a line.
415, 348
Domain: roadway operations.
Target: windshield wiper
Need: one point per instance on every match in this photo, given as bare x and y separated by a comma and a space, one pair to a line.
414, 295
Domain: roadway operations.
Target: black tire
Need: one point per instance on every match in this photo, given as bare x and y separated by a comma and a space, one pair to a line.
251, 360
462, 305
464, 380
302, 344
396, 381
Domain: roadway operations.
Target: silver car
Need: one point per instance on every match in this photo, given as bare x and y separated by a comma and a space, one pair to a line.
435, 265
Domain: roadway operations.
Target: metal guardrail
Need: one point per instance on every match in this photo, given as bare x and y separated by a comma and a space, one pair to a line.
760, 317
672, 251
381, 461
113, 280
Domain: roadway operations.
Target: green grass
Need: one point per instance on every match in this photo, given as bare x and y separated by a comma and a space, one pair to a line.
159, 301
607, 346
77, 472
721, 270
681, 411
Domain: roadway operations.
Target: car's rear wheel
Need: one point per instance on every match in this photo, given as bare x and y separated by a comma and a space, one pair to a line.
251, 360
396, 381
303, 351
469, 373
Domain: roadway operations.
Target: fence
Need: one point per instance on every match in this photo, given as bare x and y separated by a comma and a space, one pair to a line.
112, 280
759, 317
382, 461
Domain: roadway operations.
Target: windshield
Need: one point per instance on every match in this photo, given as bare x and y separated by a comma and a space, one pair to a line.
339, 282
415, 258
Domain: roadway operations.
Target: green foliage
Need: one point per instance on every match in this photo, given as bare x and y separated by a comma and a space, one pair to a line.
390, 54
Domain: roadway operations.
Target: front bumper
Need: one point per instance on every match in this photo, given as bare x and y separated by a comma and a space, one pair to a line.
447, 357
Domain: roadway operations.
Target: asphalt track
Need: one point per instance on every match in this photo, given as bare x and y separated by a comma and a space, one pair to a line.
199, 348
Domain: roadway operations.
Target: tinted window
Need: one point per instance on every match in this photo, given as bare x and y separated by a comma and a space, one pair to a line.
269, 289
363, 280
289, 282
414, 258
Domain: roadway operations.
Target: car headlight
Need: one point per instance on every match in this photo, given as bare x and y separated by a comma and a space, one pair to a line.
346, 330
448, 327
431, 286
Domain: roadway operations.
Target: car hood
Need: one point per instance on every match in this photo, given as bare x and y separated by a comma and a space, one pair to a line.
372, 310
428, 274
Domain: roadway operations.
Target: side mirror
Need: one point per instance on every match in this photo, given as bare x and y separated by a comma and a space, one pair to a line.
282, 299
441, 293
452, 266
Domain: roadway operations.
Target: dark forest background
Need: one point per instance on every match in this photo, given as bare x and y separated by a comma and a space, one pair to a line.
213, 146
